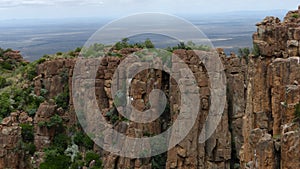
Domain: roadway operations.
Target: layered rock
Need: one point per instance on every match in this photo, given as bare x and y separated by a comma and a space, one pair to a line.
272, 94
290, 146
44, 134
54, 76
259, 127
11, 153
271, 101
279, 39
236, 70
12, 55
216, 151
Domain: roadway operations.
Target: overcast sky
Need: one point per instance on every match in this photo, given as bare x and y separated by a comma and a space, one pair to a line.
18, 9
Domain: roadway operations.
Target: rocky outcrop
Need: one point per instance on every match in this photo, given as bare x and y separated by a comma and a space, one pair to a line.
44, 134
278, 39
12, 55
272, 94
11, 153
290, 146
259, 128
54, 77
236, 70
216, 151
271, 99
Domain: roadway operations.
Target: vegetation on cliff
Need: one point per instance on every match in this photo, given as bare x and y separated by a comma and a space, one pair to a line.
255, 120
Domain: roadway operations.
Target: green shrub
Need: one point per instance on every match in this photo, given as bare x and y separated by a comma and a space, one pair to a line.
72, 53
8, 50
193, 46
30, 70
55, 121
6, 107
55, 160
159, 161
25, 99
59, 53
41, 60
124, 43
77, 164
113, 115
115, 54
42, 124
44, 92
31, 105
1, 52
6, 65
148, 44
256, 50
61, 142
3, 82
27, 132
81, 139
244, 52
78, 49
181, 45
62, 99
295, 15
19, 99
64, 76
29, 147
90, 156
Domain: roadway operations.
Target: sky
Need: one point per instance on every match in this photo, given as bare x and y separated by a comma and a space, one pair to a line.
20, 9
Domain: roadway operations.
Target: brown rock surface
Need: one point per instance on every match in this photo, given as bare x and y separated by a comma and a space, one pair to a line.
43, 134
290, 146
11, 154
258, 128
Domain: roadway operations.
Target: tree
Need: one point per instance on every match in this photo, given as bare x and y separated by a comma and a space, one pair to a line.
2, 82
256, 50
148, 43
6, 106
244, 52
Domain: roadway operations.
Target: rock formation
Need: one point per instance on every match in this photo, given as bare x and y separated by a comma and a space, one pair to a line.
12, 155
259, 128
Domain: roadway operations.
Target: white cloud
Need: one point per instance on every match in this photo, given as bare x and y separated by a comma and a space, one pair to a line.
81, 8
17, 3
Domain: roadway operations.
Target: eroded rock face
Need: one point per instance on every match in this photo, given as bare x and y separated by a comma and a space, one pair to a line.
272, 94
11, 154
43, 134
290, 146
216, 151
236, 70
54, 77
275, 38
283, 73
258, 128
13, 55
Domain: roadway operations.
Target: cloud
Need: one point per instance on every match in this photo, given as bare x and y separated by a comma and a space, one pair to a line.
18, 3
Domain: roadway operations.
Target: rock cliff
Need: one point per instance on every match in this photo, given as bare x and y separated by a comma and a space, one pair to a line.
259, 128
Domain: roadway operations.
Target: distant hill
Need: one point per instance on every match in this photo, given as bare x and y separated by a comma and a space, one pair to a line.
36, 37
